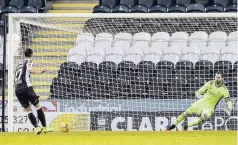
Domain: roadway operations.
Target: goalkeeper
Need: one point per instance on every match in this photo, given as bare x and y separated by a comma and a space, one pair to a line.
213, 92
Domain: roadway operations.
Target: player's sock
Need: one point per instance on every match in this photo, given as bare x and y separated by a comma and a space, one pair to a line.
196, 122
180, 118
32, 119
41, 117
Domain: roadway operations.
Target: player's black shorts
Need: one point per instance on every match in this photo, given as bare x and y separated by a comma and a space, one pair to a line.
27, 96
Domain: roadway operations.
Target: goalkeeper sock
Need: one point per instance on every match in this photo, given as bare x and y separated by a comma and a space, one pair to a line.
32, 119
41, 117
181, 118
196, 122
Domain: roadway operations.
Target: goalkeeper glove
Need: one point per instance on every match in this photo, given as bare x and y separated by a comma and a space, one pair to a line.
228, 112
199, 96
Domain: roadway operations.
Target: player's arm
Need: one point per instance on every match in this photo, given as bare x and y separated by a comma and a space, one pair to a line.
228, 102
203, 89
34, 70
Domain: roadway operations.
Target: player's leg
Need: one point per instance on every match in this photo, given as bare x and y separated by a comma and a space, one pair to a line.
22, 97
34, 99
183, 116
206, 113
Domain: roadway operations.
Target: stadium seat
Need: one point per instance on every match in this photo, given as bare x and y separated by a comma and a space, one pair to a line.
168, 65
110, 3
8, 9
235, 65
97, 91
155, 91
179, 39
204, 65
103, 41
158, 9
177, 9
2, 4
176, 90
215, 8
210, 53
160, 40
96, 55
118, 90
38, 4
1, 69
133, 54
229, 53
121, 9
202, 75
166, 3
198, 39
232, 39
88, 72
231, 8
115, 55
28, 9
126, 66
152, 54
101, 9
184, 65
184, 2
69, 66
195, 8
193, 87
224, 3
122, 41
128, 3
172, 54
224, 67
85, 41
145, 66
148, 3
139, 9
204, 2
77, 55
191, 53
17, 3
138, 91
141, 40
218, 39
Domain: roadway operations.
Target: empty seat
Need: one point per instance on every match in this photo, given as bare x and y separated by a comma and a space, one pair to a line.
214, 8
2, 4
69, 66
121, 9
138, 91
155, 91
224, 3
101, 9
158, 9
167, 65
148, 3
38, 4
176, 90
128, 3
110, 3
202, 75
184, 65
103, 40
118, 91
231, 8
218, 39
139, 9
28, 9
160, 40
195, 8
184, 2
166, 3
204, 65
17, 3
146, 66
177, 9
232, 39
133, 54
141, 40
229, 53
96, 55
153, 54
172, 54
235, 65
85, 40
191, 53
122, 41
8, 9
115, 54
77, 55
179, 39
223, 66
204, 2
126, 66
198, 39
210, 53
193, 87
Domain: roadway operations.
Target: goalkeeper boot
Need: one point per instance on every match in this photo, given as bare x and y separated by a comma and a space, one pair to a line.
170, 127
47, 129
38, 130
185, 127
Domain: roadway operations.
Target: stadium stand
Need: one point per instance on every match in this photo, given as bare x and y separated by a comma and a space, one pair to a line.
162, 6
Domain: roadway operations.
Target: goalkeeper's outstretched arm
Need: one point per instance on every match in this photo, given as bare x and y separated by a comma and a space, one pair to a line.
203, 89
229, 103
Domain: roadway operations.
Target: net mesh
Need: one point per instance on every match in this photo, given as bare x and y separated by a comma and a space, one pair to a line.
123, 74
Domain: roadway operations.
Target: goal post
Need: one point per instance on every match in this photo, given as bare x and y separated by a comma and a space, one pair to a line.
135, 107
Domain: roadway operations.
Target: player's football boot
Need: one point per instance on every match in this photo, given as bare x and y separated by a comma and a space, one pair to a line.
47, 129
38, 130
170, 127
185, 128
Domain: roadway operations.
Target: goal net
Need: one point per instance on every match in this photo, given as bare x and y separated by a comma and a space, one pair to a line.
123, 72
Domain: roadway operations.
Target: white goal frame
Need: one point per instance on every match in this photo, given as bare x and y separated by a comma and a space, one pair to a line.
10, 40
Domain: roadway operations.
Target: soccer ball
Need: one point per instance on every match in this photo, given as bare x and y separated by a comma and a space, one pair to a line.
64, 127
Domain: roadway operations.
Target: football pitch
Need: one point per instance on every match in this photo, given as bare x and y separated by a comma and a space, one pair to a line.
122, 138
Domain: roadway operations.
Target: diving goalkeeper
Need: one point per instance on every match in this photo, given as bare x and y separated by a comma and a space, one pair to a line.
213, 92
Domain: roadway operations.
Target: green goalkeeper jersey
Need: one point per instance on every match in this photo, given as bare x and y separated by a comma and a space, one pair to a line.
212, 96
